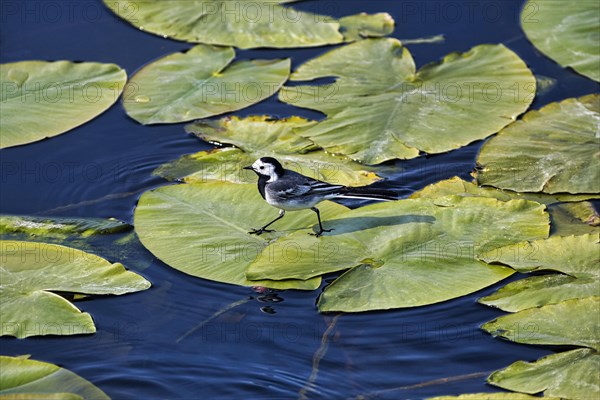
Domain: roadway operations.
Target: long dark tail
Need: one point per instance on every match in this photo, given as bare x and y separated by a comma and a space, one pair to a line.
363, 192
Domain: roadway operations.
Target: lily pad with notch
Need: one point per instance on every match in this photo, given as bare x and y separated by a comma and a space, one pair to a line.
392, 250
247, 24
42, 99
567, 375
381, 108
260, 136
202, 230
573, 259
200, 83
31, 272
572, 322
551, 150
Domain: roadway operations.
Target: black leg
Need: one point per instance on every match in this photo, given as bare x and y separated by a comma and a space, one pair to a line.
321, 230
264, 228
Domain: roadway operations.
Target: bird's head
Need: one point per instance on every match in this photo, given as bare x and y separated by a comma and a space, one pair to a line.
267, 167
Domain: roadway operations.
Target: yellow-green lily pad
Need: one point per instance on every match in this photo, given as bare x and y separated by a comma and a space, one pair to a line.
24, 379
393, 249
202, 230
573, 217
537, 291
30, 272
381, 108
42, 99
576, 257
43, 226
247, 24
260, 136
569, 375
572, 322
459, 187
200, 83
572, 255
568, 35
553, 150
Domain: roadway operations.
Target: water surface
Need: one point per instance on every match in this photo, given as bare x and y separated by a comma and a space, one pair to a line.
101, 168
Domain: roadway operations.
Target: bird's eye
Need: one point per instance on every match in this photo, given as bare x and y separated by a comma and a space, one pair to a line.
262, 167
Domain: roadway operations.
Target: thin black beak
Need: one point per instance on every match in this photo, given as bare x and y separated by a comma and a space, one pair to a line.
249, 167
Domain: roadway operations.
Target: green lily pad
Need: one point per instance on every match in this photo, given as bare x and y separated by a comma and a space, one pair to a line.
246, 24
380, 108
255, 133
570, 375
394, 248
572, 255
31, 271
202, 230
44, 226
43, 99
256, 137
576, 256
551, 150
574, 218
109, 238
491, 396
32, 380
537, 291
568, 35
460, 187
200, 83
570, 322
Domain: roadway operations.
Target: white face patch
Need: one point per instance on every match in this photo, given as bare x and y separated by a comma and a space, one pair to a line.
266, 169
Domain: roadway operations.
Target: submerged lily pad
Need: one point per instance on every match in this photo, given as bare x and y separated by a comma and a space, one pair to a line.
109, 238
256, 137
394, 248
574, 218
31, 271
568, 35
200, 83
246, 24
552, 150
570, 375
380, 108
42, 226
31, 380
202, 230
43, 99
544, 84
570, 322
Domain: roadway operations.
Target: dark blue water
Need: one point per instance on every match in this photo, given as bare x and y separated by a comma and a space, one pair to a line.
101, 168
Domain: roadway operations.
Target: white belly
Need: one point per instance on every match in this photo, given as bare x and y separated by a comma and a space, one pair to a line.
290, 205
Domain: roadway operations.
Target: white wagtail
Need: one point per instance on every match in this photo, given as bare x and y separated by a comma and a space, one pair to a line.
289, 191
